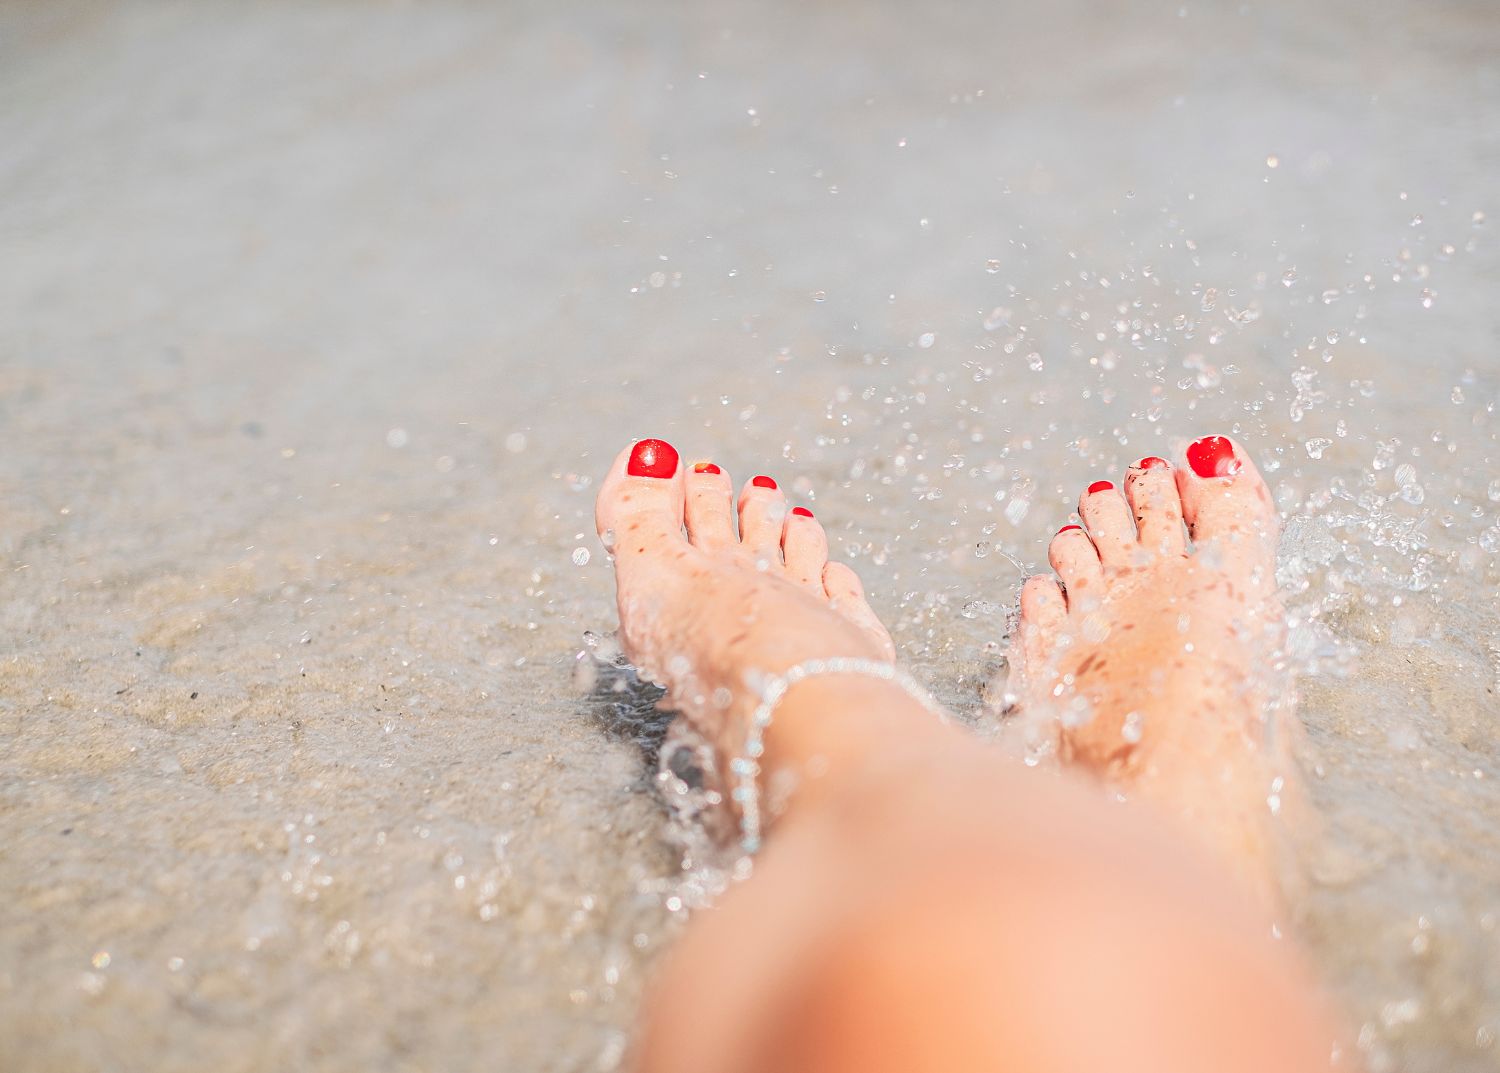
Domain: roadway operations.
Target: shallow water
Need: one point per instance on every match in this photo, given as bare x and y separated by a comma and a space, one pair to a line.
317, 328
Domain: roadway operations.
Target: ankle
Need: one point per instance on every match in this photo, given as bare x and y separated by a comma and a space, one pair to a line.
834, 729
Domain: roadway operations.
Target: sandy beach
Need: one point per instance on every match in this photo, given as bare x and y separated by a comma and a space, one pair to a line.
319, 325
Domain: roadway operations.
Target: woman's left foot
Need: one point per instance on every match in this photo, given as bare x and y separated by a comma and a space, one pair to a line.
1150, 662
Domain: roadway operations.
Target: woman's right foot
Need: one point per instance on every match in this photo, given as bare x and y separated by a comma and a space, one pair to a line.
719, 594
1150, 663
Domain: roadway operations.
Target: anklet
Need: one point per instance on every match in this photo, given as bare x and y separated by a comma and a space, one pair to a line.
746, 769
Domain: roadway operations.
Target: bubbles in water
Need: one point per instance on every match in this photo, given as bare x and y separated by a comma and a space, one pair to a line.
820, 296
1273, 161
992, 266
580, 556
515, 443
396, 437
998, 317
1317, 445
926, 339
1289, 277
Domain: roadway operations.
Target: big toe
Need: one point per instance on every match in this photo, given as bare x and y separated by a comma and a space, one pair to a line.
1228, 508
639, 511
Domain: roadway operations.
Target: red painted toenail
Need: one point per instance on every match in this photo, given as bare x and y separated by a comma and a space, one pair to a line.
802, 512
1213, 456
706, 467
1065, 528
763, 482
1100, 486
652, 458
1151, 462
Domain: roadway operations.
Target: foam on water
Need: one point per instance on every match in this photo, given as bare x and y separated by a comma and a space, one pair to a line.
319, 326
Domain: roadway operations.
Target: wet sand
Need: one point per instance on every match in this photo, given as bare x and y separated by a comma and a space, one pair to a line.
317, 328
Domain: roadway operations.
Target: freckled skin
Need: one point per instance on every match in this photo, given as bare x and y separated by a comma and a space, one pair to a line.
923, 902
1137, 604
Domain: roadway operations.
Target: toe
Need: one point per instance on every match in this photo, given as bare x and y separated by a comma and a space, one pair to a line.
1043, 612
710, 507
1228, 507
1073, 556
1151, 491
762, 516
846, 595
804, 546
640, 506
1107, 516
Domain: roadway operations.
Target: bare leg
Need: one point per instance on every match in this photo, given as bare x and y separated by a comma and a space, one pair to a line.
923, 904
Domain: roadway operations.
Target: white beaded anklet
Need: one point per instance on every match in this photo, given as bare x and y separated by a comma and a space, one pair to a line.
746, 769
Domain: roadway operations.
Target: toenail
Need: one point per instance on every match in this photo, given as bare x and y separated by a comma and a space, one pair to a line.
802, 512
1065, 528
706, 467
652, 458
1100, 486
1151, 462
763, 482
1213, 456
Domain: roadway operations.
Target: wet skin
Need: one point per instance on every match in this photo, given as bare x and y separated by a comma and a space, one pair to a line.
917, 880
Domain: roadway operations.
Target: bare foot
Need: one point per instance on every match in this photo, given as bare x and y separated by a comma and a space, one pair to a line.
716, 594
1151, 661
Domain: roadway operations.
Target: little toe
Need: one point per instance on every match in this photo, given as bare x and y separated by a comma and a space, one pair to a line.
640, 506
1072, 555
1151, 491
804, 546
1043, 614
846, 595
1228, 507
1107, 516
762, 516
710, 507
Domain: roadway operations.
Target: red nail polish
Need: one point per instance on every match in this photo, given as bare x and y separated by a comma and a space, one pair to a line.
802, 512
1151, 462
652, 458
1213, 456
1065, 528
763, 482
706, 467
1100, 486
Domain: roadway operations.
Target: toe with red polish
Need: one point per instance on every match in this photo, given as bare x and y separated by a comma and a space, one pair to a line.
1151, 462
802, 512
1213, 456
763, 482
652, 458
1100, 486
706, 467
